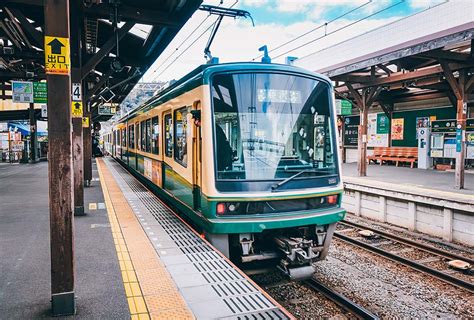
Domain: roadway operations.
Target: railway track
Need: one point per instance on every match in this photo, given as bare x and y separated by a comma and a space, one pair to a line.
417, 265
342, 301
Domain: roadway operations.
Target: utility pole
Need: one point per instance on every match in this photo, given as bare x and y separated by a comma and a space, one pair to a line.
57, 67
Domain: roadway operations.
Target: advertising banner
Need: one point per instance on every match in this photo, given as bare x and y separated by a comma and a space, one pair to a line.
397, 128
377, 123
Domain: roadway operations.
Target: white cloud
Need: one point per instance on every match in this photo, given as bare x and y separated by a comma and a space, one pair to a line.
255, 3
237, 40
421, 4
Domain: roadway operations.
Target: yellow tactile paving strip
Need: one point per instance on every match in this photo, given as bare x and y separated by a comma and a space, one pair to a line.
150, 290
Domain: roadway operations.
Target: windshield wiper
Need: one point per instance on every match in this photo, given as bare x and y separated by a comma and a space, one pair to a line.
279, 184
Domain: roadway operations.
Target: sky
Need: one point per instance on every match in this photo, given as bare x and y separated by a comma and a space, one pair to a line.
276, 22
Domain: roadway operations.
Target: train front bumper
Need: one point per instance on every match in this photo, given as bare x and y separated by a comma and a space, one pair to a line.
257, 224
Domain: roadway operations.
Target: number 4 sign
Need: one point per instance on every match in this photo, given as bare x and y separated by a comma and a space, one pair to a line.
76, 92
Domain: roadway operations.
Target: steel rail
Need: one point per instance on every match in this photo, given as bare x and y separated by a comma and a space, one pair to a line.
410, 263
416, 245
341, 300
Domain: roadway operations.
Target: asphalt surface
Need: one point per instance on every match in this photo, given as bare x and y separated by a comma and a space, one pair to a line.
429, 179
25, 250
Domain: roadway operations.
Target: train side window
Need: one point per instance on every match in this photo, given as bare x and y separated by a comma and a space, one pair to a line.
168, 136
137, 135
142, 136
155, 135
124, 137
148, 136
180, 128
131, 136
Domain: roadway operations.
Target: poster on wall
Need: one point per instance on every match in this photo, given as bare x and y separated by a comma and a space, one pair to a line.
397, 128
377, 130
351, 130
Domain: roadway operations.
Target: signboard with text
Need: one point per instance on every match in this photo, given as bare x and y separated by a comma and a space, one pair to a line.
351, 130
57, 55
40, 92
22, 91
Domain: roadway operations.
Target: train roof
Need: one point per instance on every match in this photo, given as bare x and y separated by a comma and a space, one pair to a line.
202, 73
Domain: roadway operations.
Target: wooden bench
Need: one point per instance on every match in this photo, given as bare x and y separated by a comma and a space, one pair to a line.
395, 154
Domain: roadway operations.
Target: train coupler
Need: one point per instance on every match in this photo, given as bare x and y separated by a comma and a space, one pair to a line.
299, 254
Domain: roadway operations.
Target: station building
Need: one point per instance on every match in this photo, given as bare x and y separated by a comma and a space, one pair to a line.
405, 98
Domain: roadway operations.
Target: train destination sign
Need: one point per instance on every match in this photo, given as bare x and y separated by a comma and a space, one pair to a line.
57, 55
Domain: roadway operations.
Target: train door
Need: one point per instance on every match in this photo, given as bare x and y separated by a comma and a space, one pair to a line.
196, 154
168, 144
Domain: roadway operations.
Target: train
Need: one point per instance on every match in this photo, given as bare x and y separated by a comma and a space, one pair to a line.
247, 153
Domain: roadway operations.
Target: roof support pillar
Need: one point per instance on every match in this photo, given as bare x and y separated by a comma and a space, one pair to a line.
33, 137
56, 14
77, 136
458, 86
362, 139
87, 147
364, 101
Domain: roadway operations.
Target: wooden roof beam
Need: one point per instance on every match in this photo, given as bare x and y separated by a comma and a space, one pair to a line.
446, 55
36, 35
453, 82
136, 15
399, 77
105, 49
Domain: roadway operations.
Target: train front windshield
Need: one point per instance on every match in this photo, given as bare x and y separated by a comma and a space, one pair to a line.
272, 127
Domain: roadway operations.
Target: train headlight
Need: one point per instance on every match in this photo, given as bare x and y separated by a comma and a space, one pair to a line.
232, 207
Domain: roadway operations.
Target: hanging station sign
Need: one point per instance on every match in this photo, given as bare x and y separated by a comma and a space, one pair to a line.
22, 91
343, 107
107, 110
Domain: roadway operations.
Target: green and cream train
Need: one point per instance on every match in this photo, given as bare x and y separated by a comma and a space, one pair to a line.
248, 153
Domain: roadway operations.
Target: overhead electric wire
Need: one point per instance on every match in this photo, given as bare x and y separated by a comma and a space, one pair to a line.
184, 51
339, 29
192, 43
317, 28
180, 45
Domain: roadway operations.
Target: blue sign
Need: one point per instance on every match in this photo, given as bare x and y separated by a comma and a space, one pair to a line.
458, 140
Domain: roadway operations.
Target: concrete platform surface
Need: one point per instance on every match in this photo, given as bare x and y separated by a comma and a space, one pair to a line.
25, 255
407, 177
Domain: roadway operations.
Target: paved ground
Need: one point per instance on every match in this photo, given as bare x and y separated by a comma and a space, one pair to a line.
429, 179
25, 256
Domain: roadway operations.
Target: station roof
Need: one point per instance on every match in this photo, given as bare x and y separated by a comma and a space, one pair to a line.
145, 29
414, 61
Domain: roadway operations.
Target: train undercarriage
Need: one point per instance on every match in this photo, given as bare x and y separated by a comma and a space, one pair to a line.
292, 250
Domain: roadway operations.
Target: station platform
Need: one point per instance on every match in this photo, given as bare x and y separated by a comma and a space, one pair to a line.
135, 258
416, 199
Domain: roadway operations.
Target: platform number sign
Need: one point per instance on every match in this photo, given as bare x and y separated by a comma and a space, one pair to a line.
76, 109
76, 92
57, 55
